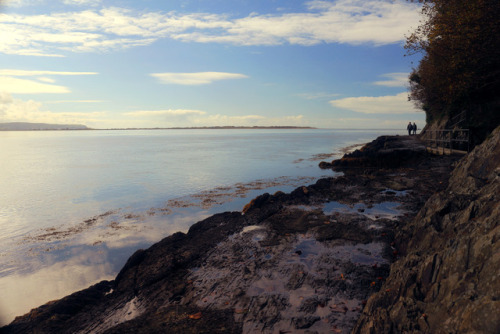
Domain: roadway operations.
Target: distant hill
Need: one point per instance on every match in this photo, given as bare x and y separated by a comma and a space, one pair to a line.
23, 126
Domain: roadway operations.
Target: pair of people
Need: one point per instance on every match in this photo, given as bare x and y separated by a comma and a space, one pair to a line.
411, 128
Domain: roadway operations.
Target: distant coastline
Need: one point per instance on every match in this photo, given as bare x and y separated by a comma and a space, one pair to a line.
216, 128
25, 126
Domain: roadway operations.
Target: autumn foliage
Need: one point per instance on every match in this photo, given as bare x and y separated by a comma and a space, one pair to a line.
460, 66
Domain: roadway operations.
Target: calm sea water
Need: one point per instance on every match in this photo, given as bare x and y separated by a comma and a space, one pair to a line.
74, 205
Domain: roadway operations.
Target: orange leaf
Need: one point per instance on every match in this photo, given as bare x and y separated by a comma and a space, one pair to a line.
240, 310
195, 316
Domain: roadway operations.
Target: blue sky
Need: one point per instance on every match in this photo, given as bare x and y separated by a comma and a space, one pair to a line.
176, 63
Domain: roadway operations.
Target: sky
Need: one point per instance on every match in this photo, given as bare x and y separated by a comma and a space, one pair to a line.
194, 63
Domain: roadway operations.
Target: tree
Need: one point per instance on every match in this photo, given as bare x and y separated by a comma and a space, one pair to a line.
460, 66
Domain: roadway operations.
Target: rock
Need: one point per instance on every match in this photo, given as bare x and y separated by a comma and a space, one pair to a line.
305, 322
448, 279
383, 152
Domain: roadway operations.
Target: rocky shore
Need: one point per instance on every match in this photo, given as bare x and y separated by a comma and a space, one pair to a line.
389, 246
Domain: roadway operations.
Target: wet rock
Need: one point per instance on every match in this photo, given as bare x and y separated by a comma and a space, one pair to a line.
383, 152
447, 280
284, 264
309, 305
305, 322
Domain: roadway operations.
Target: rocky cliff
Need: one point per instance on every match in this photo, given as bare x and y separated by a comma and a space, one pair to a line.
447, 279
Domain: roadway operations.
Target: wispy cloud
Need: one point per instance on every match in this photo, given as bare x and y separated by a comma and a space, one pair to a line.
73, 101
167, 112
186, 117
18, 110
249, 120
354, 22
199, 78
24, 86
316, 96
10, 81
392, 104
82, 2
25, 73
397, 79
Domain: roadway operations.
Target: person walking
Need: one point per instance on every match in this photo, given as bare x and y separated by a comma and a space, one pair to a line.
409, 128
414, 128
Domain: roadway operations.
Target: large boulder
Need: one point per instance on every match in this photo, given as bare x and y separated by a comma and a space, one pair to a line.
383, 152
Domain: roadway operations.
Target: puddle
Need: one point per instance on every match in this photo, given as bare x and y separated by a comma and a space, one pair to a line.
361, 254
388, 210
251, 228
397, 193
306, 208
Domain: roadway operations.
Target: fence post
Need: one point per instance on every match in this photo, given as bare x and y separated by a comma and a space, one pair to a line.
451, 142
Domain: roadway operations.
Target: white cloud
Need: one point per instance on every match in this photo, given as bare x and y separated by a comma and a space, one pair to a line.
193, 118
354, 22
392, 104
21, 292
12, 3
397, 79
315, 96
82, 2
19, 3
17, 110
249, 120
25, 73
42, 85
344, 21
200, 78
24, 86
47, 80
73, 101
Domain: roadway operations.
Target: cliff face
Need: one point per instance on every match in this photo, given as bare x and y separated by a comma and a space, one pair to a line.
447, 279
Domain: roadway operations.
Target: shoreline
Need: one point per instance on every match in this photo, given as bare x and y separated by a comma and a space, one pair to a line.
302, 204
65, 127
108, 236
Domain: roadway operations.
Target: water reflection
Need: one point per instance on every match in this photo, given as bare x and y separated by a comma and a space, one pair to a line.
52, 279
387, 210
54, 261
51, 245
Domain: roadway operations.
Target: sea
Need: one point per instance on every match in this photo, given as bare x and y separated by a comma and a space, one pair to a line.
74, 205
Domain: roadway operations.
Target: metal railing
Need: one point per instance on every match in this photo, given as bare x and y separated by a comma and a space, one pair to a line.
448, 141
457, 120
